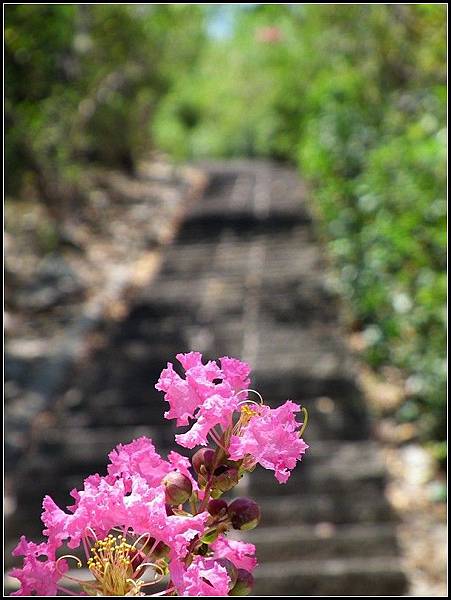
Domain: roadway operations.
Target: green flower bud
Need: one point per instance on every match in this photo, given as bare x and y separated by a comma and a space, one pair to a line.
178, 488
243, 585
232, 571
203, 460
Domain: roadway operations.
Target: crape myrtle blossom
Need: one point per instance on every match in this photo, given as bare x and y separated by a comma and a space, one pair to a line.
153, 521
211, 395
271, 439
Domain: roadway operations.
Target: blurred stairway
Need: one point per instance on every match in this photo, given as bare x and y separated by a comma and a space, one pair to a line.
246, 278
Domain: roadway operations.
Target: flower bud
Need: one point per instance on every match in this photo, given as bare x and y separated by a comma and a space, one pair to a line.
178, 488
225, 480
232, 571
217, 507
203, 460
243, 585
244, 513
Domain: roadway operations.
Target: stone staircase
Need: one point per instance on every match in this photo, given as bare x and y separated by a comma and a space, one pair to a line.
245, 277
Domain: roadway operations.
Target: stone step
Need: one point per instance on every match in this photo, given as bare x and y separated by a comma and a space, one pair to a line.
315, 351
323, 540
379, 576
213, 224
284, 259
224, 295
334, 403
364, 506
326, 468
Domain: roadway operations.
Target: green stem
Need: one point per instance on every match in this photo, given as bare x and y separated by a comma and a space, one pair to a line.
204, 503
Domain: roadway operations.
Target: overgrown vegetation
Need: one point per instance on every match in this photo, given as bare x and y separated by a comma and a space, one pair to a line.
82, 84
354, 94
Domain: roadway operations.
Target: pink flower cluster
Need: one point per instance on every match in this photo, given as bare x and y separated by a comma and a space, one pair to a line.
166, 518
210, 396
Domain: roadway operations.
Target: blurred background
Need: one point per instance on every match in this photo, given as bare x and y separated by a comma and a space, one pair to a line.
264, 181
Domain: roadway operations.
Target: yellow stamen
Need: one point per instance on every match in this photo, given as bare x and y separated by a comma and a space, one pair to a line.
111, 567
117, 567
247, 413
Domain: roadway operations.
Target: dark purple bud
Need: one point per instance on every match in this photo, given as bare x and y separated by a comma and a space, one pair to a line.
178, 488
217, 507
243, 585
232, 571
244, 513
203, 460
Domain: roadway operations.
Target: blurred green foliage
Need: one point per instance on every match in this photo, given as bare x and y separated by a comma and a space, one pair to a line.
82, 84
353, 94
356, 95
